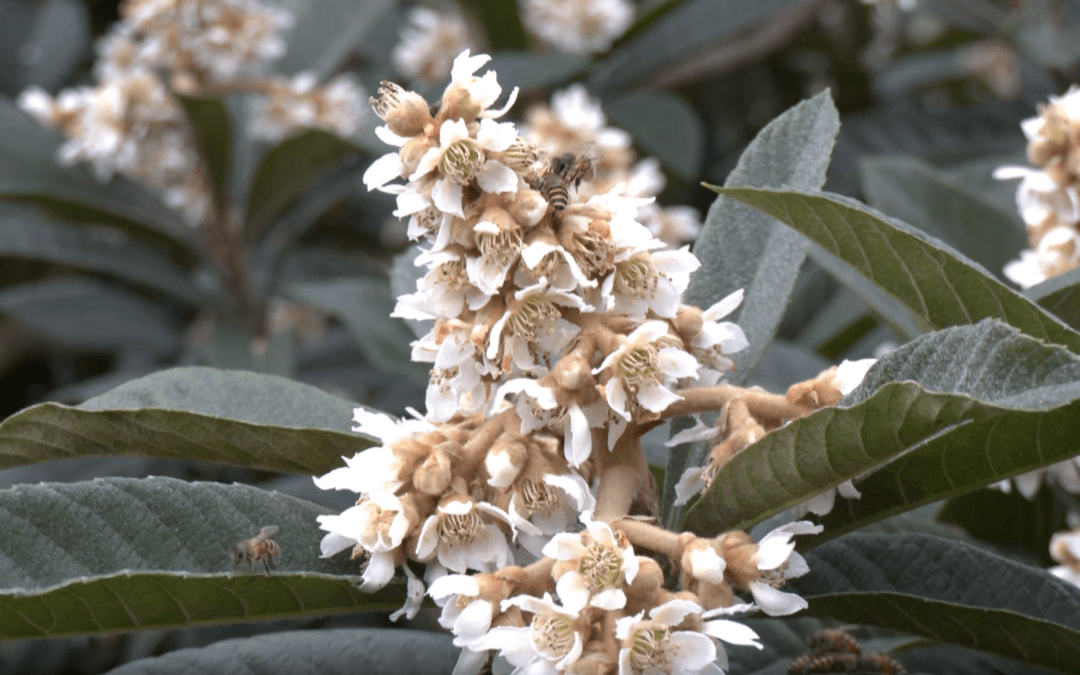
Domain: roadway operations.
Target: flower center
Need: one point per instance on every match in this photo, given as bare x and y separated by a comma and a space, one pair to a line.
461, 161
453, 274
775, 577
594, 253
534, 310
427, 221
601, 566
639, 366
386, 99
648, 653
460, 528
637, 278
538, 496
498, 249
552, 634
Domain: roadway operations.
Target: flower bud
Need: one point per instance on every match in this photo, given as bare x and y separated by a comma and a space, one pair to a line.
505, 461
572, 373
433, 476
405, 112
688, 322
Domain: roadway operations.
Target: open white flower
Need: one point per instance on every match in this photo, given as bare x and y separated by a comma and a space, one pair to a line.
643, 370
777, 560
717, 339
550, 644
648, 282
464, 612
539, 511
650, 646
460, 537
603, 568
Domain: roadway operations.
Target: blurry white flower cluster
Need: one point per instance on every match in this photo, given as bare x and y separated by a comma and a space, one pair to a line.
574, 122
132, 124
1049, 195
558, 337
430, 39
577, 26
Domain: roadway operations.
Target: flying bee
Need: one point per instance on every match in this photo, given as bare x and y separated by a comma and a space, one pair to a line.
259, 548
563, 172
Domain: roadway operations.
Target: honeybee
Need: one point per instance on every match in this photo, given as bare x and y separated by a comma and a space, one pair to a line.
562, 172
259, 548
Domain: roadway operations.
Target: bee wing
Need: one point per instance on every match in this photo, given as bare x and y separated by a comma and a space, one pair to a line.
265, 533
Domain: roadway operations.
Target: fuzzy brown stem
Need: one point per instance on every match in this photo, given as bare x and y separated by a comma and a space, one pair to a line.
761, 404
652, 537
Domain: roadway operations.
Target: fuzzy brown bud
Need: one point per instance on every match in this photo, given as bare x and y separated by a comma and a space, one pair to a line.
688, 322
405, 112
433, 476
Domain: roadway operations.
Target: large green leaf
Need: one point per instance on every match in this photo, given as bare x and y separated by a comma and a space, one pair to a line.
501, 21
531, 70
915, 192
947, 591
286, 171
326, 31
1004, 401
688, 28
1060, 296
741, 248
212, 129
88, 314
27, 233
230, 417
122, 554
341, 651
938, 285
28, 169
665, 126
364, 305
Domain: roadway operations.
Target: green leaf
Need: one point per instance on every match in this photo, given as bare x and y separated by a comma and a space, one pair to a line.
230, 417
123, 554
341, 651
286, 171
1060, 296
326, 31
939, 286
531, 71
364, 306
742, 248
87, 314
663, 125
28, 234
28, 170
942, 415
915, 192
689, 28
501, 22
947, 591
1010, 521
212, 127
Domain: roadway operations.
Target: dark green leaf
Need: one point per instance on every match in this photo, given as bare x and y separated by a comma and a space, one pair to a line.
501, 22
28, 169
938, 285
837, 325
121, 554
364, 305
742, 248
27, 233
947, 591
692, 26
82, 313
341, 651
285, 172
258, 421
231, 347
57, 42
212, 128
663, 125
326, 31
1061, 296
530, 71
915, 192
1004, 401
1010, 521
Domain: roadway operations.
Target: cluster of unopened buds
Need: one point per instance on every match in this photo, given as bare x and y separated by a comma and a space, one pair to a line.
558, 339
131, 122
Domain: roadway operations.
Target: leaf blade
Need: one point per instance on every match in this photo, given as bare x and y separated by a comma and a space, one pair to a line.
247, 419
935, 283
